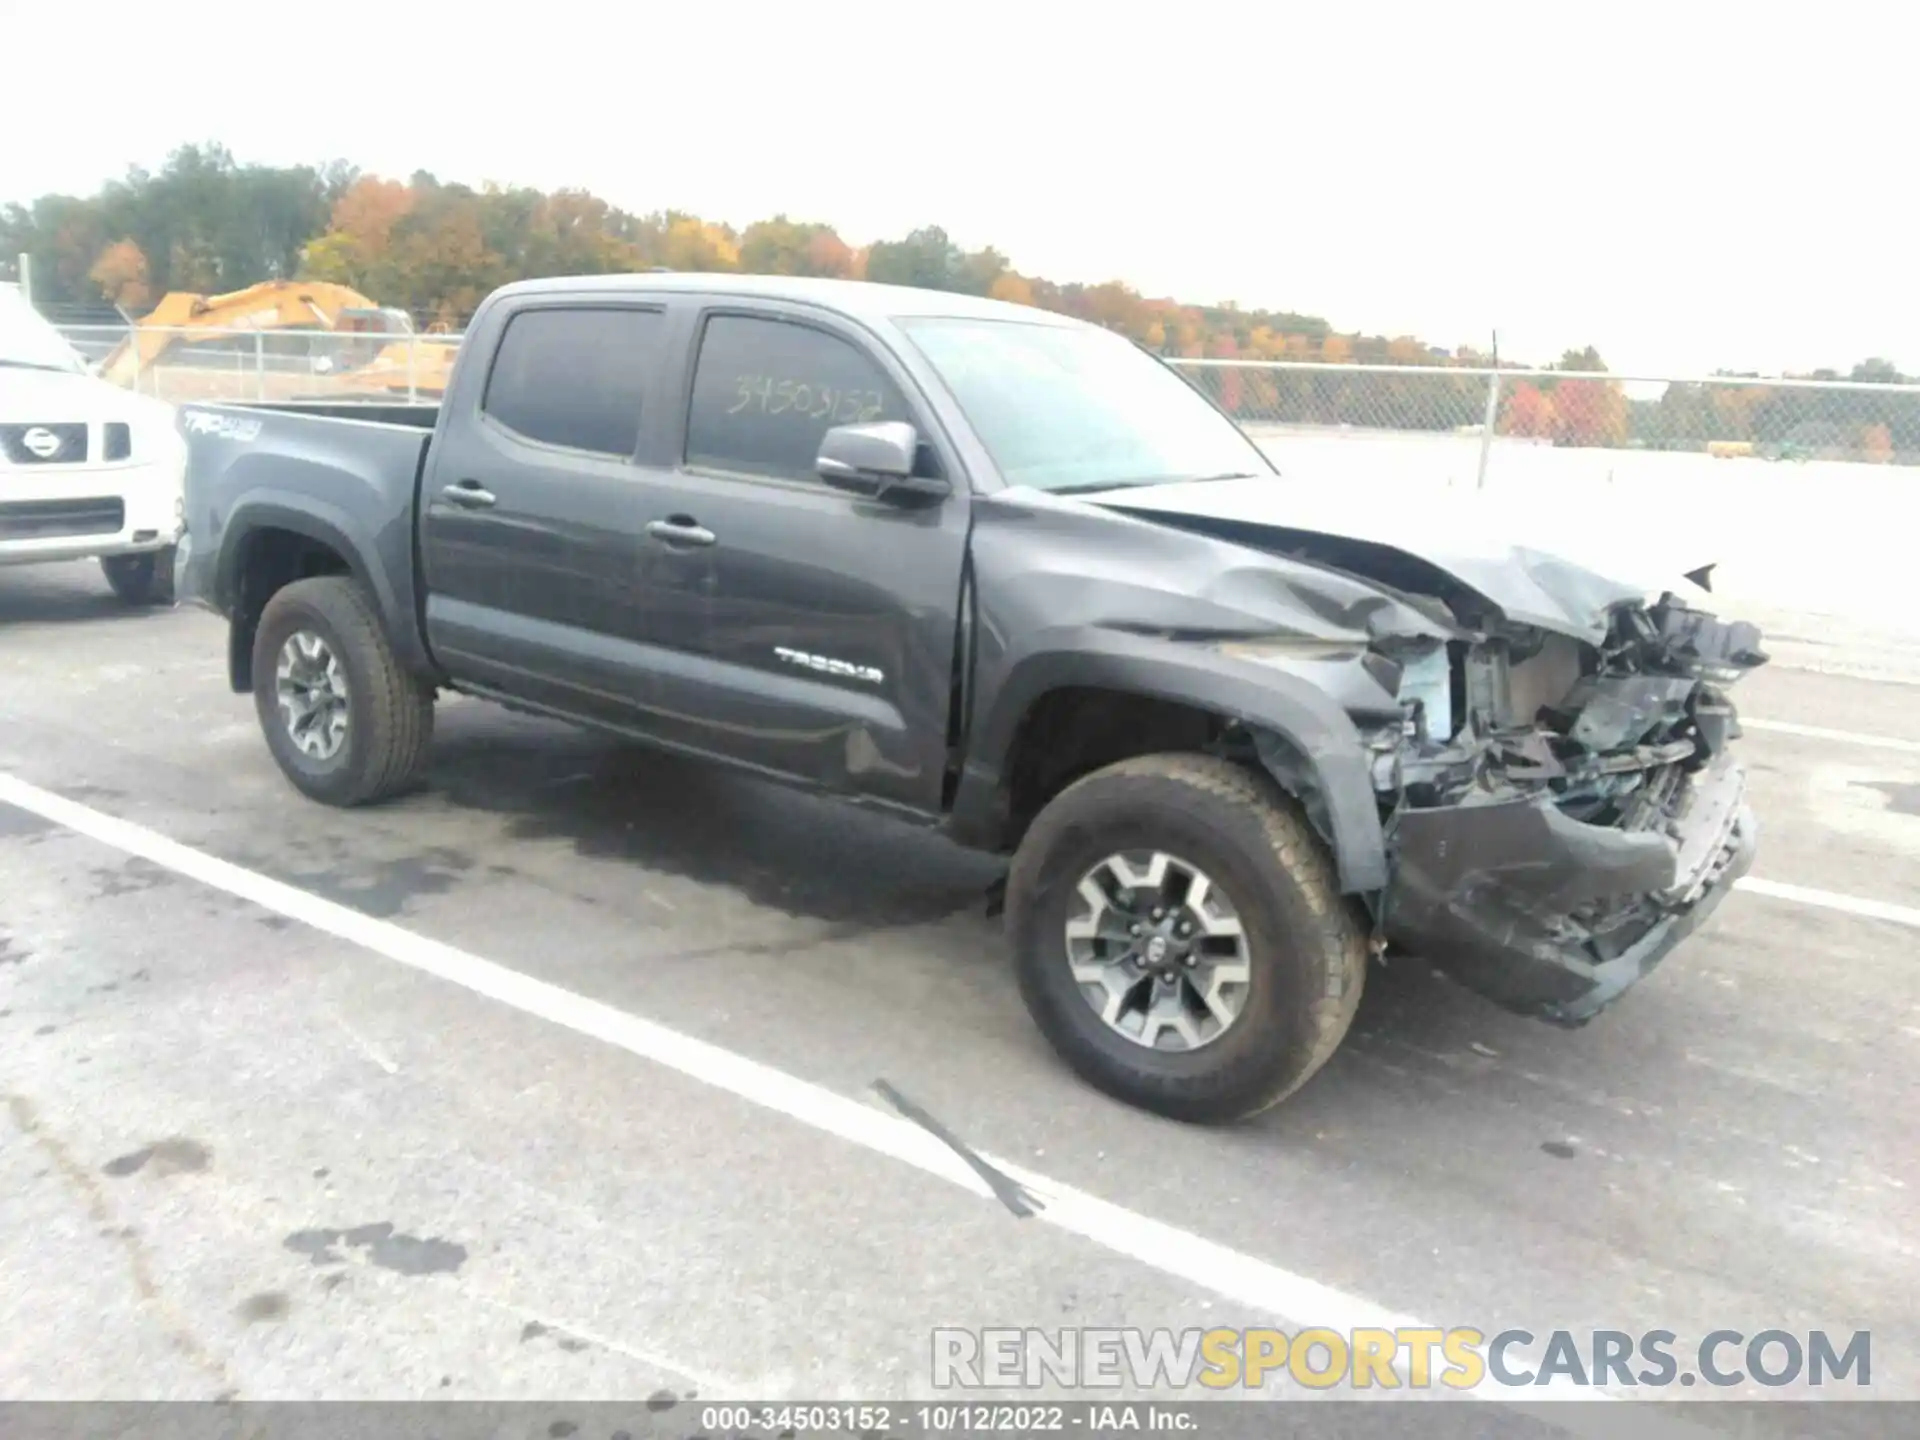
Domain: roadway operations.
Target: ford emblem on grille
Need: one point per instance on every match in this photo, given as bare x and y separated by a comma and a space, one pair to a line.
41, 442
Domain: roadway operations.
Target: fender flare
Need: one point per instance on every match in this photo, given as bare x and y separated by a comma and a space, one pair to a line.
1300, 730
325, 524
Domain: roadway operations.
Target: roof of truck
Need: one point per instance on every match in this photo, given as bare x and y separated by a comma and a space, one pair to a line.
863, 298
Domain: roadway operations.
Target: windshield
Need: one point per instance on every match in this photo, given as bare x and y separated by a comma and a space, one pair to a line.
1065, 408
27, 339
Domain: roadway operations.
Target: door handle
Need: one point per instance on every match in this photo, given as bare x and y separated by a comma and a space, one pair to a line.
469, 493
680, 530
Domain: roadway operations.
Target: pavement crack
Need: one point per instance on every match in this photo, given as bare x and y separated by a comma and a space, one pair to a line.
536, 1324
365, 1046
26, 1118
1006, 1189
831, 934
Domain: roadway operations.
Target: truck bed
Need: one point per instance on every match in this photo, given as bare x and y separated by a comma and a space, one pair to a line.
417, 417
343, 476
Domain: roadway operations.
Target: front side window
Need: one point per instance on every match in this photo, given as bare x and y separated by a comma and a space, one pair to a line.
1075, 408
765, 392
575, 376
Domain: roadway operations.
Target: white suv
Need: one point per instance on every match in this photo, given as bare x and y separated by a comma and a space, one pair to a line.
87, 469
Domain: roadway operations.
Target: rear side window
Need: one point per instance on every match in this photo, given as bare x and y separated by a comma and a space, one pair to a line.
575, 376
766, 391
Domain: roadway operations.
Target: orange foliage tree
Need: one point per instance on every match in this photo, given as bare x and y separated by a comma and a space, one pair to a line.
1527, 412
121, 273
1589, 412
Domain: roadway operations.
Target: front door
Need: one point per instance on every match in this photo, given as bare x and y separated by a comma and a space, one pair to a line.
802, 630
531, 515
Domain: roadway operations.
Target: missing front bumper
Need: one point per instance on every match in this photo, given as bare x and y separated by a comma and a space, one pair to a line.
1554, 918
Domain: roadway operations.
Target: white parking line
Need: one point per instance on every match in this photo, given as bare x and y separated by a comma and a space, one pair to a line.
1227, 1272
1830, 900
1874, 675
1838, 737
1192, 1258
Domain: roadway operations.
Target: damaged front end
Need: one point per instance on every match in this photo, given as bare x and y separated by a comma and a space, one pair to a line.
1561, 815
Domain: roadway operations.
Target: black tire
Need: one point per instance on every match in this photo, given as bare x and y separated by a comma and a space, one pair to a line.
145, 579
1306, 946
389, 711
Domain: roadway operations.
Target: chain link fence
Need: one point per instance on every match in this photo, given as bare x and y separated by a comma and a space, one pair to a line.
1864, 421
197, 363
1481, 412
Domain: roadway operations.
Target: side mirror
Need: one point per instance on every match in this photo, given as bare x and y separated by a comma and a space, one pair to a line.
876, 460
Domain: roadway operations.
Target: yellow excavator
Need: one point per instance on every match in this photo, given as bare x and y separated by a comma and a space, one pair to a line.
281, 340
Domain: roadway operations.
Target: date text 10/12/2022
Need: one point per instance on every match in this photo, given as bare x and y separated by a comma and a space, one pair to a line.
974, 1418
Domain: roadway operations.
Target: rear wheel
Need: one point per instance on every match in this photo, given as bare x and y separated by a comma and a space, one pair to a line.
344, 719
141, 579
1180, 938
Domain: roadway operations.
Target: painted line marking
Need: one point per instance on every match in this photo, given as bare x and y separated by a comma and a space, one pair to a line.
1181, 1254
1845, 672
1839, 737
1232, 1274
1828, 900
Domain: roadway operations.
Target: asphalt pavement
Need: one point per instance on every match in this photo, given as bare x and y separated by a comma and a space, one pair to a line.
405, 1103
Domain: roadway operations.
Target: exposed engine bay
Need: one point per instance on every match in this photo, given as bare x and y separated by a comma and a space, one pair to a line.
1556, 810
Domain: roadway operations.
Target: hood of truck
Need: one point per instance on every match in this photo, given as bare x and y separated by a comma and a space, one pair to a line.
1559, 572
72, 397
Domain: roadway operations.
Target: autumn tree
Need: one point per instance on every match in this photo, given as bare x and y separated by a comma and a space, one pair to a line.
981, 270
569, 232
1230, 387
440, 266
356, 249
1589, 412
687, 242
925, 258
830, 256
121, 274
785, 247
205, 222
1012, 288
1527, 412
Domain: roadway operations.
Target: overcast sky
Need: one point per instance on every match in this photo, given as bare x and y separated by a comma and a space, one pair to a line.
1685, 184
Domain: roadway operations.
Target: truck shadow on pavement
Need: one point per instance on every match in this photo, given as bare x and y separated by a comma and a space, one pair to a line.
819, 860
672, 816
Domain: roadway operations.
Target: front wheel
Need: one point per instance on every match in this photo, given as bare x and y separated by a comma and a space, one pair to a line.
346, 722
1180, 938
145, 579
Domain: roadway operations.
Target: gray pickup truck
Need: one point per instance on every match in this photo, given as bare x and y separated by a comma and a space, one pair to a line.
996, 571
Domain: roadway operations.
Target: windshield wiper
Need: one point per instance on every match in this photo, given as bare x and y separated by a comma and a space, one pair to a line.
1095, 486
36, 365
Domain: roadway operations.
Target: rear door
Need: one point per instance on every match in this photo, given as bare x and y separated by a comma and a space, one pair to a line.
531, 516
800, 629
